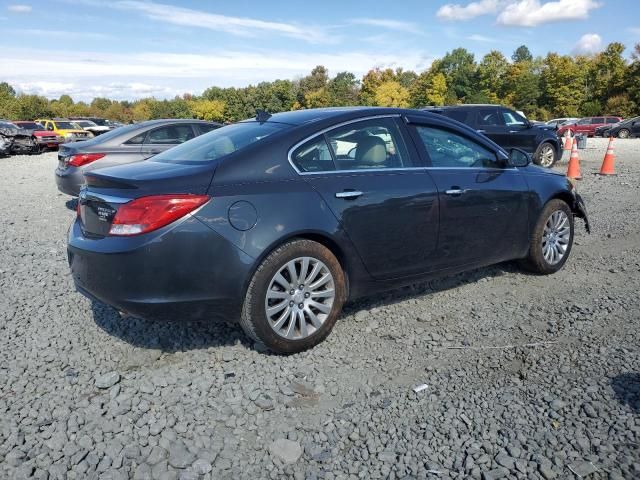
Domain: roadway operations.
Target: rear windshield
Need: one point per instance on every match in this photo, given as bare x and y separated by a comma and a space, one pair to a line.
30, 125
220, 142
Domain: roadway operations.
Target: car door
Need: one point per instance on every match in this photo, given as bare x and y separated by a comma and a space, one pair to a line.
582, 126
635, 127
370, 177
163, 138
483, 202
595, 123
490, 122
519, 132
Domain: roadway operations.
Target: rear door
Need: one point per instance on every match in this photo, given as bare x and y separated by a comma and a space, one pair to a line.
483, 202
371, 178
163, 138
583, 125
490, 122
635, 127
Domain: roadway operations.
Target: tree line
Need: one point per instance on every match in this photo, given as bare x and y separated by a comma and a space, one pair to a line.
542, 87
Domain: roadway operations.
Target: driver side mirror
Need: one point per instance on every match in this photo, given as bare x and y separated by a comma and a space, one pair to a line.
519, 158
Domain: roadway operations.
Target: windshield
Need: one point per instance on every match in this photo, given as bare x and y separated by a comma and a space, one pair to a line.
220, 142
67, 126
630, 120
30, 126
101, 121
85, 123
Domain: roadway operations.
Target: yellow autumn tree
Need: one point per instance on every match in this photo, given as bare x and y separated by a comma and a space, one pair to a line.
391, 94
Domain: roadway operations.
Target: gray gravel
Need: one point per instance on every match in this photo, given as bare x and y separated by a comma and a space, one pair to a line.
85, 394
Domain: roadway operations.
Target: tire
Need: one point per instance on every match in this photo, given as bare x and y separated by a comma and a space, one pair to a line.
37, 149
624, 133
289, 328
546, 155
536, 261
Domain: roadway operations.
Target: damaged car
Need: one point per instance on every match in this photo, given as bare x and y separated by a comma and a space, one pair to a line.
15, 140
45, 140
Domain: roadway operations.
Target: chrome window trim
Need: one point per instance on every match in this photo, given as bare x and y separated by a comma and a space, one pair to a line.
374, 170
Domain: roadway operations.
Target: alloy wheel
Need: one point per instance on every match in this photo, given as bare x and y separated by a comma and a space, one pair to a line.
546, 156
556, 237
623, 133
300, 298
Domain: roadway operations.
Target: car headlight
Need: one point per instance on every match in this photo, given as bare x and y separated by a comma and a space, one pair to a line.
69, 136
60, 138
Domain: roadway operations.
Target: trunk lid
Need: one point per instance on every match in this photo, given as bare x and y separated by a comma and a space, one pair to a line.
109, 188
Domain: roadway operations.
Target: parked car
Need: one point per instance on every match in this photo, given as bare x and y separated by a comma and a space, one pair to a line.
92, 127
104, 124
557, 122
129, 144
45, 140
508, 129
587, 125
66, 129
626, 129
15, 140
279, 220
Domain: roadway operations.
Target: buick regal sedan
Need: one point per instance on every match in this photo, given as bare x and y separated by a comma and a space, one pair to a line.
278, 220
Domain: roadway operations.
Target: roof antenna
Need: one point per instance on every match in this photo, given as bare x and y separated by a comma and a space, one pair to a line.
262, 115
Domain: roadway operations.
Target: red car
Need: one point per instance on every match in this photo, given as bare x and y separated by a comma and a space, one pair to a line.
44, 138
588, 125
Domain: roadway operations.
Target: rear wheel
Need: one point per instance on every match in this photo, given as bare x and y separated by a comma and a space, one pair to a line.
546, 155
37, 149
624, 133
294, 297
551, 239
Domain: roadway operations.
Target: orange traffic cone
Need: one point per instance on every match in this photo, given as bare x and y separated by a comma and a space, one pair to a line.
609, 159
574, 163
567, 140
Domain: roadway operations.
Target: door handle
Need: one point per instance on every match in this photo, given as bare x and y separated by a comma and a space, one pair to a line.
348, 194
455, 191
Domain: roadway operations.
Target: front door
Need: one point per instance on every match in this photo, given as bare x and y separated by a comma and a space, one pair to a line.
366, 173
483, 202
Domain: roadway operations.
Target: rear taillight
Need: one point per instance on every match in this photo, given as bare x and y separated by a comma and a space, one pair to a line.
84, 158
146, 214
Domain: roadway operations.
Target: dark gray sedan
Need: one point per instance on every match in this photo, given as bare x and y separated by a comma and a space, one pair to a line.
128, 144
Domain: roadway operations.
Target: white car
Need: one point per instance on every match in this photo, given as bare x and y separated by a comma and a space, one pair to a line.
92, 127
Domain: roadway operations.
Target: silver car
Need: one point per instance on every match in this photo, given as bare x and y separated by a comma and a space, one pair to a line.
128, 144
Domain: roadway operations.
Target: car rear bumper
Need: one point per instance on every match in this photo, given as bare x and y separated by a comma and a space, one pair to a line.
69, 180
182, 271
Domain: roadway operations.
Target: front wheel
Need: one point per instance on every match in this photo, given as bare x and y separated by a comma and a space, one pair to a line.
624, 133
551, 240
294, 297
546, 155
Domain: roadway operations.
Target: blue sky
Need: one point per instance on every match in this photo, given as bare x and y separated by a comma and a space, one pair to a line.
129, 49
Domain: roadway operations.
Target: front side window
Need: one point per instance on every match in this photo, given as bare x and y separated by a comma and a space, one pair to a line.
170, 135
612, 120
221, 142
585, 121
369, 144
447, 149
513, 119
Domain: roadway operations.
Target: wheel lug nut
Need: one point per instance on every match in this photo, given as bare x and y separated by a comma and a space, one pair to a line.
291, 304
301, 287
301, 306
292, 292
306, 295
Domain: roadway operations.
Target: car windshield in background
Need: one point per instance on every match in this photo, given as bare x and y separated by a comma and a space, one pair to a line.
101, 122
220, 142
67, 126
85, 123
30, 126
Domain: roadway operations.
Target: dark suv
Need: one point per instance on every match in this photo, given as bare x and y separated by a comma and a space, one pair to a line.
508, 129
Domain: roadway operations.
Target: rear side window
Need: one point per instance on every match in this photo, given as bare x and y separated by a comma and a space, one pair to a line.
137, 140
447, 149
170, 135
220, 142
207, 127
597, 120
314, 156
459, 115
612, 120
489, 118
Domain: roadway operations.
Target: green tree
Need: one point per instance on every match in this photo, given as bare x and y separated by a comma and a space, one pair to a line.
492, 74
371, 81
210, 110
620, 105
607, 74
343, 89
522, 54
562, 85
430, 88
459, 68
522, 86
632, 77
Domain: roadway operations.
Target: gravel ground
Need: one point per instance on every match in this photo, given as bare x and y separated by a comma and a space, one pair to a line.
85, 394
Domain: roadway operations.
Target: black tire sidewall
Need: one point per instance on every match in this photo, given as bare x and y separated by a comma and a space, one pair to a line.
254, 309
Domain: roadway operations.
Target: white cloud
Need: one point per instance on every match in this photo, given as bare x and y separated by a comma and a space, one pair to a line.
457, 12
240, 26
480, 38
531, 13
19, 8
388, 24
84, 75
59, 33
589, 43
